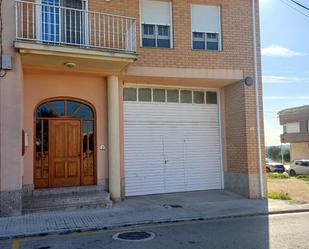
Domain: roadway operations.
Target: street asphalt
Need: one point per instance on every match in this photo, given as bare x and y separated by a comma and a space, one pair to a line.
274, 231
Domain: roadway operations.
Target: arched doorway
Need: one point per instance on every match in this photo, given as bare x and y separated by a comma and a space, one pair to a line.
64, 143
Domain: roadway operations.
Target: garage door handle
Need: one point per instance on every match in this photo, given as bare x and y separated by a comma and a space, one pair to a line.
165, 161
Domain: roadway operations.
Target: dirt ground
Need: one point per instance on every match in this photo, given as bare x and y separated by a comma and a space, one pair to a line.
296, 188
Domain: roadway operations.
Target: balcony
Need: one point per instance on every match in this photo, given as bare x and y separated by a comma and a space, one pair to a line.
295, 137
71, 31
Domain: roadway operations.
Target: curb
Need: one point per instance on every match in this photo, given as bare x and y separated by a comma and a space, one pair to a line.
145, 222
306, 210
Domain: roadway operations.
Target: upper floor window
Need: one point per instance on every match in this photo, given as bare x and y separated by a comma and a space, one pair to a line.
206, 27
62, 21
291, 128
156, 22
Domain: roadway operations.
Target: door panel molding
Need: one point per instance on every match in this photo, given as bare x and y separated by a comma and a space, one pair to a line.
73, 140
64, 139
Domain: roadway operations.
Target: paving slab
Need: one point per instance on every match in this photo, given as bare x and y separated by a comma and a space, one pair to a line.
144, 210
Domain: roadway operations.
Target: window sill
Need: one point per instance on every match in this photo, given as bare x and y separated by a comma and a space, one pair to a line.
205, 50
155, 48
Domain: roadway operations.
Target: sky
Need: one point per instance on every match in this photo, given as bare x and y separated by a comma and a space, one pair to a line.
285, 62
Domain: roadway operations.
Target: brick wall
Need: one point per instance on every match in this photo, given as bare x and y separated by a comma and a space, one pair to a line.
236, 29
236, 35
237, 53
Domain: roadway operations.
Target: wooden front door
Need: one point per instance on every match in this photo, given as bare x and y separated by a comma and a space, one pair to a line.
65, 144
65, 153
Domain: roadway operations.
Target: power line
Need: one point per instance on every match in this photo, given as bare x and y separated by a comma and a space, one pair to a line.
292, 3
299, 4
294, 8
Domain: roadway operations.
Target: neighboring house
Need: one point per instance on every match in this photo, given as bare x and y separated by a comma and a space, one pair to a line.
295, 122
138, 97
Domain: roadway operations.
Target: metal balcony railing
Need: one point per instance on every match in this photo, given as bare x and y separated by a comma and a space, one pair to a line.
54, 24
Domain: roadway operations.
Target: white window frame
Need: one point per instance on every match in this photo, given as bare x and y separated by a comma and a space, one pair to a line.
220, 46
205, 40
156, 35
295, 128
39, 22
179, 89
163, 37
156, 24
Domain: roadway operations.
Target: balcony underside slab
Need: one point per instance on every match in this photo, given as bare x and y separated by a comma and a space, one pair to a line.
214, 78
85, 58
295, 138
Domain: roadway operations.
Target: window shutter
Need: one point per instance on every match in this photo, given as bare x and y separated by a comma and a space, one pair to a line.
205, 18
155, 12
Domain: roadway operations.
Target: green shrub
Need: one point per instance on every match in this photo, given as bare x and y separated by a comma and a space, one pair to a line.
279, 196
278, 176
303, 177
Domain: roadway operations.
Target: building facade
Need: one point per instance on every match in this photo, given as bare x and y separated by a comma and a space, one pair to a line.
140, 97
296, 131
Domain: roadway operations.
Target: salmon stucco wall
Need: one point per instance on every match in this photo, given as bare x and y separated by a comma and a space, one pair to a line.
40, 85
11, 91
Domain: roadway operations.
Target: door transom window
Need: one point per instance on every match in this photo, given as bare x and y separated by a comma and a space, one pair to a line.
74, 114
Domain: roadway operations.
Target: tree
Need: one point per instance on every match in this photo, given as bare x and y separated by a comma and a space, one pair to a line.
286, 156
274, 153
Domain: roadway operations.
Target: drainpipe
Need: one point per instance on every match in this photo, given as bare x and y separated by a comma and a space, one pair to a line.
257, 100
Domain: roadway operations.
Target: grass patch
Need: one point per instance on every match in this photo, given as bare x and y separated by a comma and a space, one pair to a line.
303, 177
279, 196
278, 176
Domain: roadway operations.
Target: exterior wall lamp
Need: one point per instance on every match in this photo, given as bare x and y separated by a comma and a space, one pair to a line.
248, 81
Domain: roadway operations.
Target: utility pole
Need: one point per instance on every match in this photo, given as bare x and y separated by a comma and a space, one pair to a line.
282, 159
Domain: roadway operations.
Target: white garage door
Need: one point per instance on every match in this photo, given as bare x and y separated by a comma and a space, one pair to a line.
172, 141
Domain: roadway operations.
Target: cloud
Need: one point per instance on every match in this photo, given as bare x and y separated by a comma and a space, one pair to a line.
278, 51
276, 79
286, 97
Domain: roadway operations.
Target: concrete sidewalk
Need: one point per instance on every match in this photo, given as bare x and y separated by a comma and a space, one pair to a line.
143, 210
